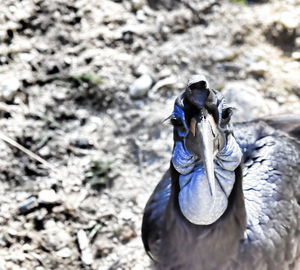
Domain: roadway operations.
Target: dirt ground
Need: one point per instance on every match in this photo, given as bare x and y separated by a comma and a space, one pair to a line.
86, 85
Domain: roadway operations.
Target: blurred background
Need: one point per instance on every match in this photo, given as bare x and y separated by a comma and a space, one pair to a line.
86, 85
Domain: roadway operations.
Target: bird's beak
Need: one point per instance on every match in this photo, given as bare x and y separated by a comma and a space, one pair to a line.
205, 130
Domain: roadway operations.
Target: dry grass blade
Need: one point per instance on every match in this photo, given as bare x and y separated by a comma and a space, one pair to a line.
27, 152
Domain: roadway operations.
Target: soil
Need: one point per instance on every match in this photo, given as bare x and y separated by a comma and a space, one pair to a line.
69, 93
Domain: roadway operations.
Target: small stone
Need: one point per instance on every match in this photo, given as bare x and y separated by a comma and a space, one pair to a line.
82, 143
3, 242
126, 214
47, 196
82, 114
60, 95
57, 238
140, 15
223, 55
28, 205
141, 70
3, 265
258, 69
296, 56
164, 82
16, 254
288, 21
165, 72
64, 252
138, 267
297, 42
127, 233
9, 88
141, 86
49, 224
103, 246
211, 32
44, 151
232, 66
281, 99
9, 265
138, 4
52, 68
86, 253
27, 57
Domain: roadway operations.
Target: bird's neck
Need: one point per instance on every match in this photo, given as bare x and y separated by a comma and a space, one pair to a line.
221, 237
195, 199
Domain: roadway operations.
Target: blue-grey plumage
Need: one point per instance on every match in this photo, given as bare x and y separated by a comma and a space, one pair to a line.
252, 218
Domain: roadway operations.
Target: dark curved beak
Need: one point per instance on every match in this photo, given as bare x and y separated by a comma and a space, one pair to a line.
205, 132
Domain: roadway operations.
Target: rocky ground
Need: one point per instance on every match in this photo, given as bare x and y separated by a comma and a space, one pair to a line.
86, 85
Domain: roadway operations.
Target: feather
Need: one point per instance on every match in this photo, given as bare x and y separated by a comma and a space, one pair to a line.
260, 226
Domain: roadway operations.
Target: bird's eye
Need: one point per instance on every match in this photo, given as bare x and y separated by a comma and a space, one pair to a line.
176, 122
226, 115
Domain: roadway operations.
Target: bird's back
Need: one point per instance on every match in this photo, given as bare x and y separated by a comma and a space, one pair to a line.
271, 186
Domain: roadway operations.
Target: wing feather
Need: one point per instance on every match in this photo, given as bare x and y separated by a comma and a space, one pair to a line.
271, 182
154, 215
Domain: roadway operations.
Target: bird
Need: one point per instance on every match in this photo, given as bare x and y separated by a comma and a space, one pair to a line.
230, 199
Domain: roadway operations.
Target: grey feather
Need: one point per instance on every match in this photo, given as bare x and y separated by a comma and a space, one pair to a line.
260, 228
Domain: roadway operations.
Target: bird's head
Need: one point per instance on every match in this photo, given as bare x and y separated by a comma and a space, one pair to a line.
203, 142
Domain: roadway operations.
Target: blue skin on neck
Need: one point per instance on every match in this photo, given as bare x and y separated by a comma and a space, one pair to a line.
195, 200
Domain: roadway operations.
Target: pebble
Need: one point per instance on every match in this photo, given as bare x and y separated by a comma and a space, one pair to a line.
44, 152
56, 237
223, 55
127, 233
296, 56
27, 57
50, 224
103, 246
3, 265
140, 15
126, 214
138, 267
138, 4
165, 72
280, 99
9, 88
82, 143
164, 82
47, 196
3, 242
210, 32
288, 21
17, 255
141, 70
82, 114
64, 252
60, 95
297, 42
259, 68
86, 252
140, 86
28, 205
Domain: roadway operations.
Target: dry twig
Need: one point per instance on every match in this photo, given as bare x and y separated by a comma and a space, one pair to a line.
27, 152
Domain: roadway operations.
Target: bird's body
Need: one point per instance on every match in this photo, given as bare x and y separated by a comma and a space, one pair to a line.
259, 227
